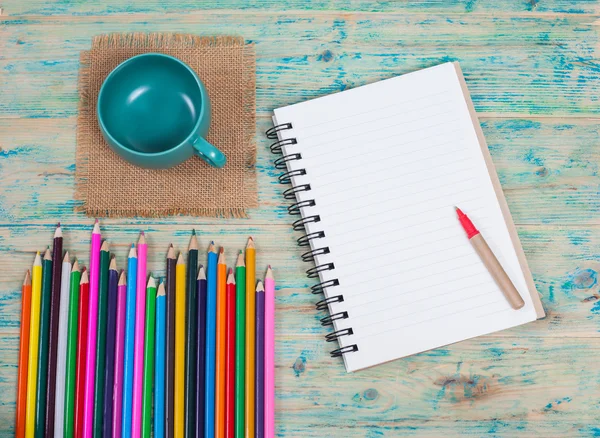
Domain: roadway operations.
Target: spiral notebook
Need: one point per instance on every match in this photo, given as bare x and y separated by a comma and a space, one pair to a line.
375, 174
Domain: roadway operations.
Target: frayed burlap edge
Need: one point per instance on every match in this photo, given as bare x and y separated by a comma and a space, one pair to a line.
157, 41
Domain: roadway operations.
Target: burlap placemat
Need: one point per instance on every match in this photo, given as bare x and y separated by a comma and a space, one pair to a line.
109, 186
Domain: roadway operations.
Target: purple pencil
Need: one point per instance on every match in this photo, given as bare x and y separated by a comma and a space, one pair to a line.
259, 388
201, 352
117, 399
109, 362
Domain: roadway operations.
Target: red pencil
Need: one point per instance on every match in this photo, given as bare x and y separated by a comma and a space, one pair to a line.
490, 261
84, 295
23, 356
230, 358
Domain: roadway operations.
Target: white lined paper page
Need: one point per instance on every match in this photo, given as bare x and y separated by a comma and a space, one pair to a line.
387, 163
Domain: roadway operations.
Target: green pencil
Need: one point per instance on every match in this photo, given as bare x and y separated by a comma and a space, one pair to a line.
71, 365
101, 339
240, 344
148, 358
42, 377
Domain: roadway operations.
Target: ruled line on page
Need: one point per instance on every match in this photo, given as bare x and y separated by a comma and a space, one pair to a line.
330, 121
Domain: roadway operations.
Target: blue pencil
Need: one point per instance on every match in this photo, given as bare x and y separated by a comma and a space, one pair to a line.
211, 333
129, 341
159, 362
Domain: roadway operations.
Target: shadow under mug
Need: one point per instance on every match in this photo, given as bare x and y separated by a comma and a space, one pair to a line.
154, 111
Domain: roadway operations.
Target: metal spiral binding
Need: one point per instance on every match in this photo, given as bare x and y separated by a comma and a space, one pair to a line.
295, 209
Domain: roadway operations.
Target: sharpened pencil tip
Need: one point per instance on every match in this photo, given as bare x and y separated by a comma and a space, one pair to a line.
122, 278
193, 231
201, 273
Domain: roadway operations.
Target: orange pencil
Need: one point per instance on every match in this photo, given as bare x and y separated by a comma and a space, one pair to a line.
23, 356
221, 349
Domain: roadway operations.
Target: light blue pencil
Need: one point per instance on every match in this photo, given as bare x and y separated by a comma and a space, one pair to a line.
129, 341
159, 362
211, 333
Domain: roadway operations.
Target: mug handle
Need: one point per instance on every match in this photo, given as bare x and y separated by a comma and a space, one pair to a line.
209, 153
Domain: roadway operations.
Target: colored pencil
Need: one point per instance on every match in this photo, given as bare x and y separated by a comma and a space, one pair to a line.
159, 358
269, 427
240, 344
42, 374
148, 359
230, 358
117, 414
101, 339
191, 342
71, 362
170, 343
23, 356
34, 339
250, 336
138, 355
221, 347
200, 352
129, 342
211, 327
259, 386
84, 298
179, 390
109, 357
61, 358
57, 259
490, 261
90, 365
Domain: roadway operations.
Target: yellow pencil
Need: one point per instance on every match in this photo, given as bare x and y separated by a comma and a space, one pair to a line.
179, 391
250, 335
34, 339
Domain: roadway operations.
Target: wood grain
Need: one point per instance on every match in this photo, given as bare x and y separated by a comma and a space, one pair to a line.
532, 69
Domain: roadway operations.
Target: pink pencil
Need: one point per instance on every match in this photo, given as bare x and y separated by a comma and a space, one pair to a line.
90, 365
138, 349
119, 355
269, 429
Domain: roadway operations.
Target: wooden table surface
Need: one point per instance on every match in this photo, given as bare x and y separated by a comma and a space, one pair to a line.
532, 68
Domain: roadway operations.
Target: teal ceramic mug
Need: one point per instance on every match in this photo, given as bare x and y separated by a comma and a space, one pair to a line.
154, 111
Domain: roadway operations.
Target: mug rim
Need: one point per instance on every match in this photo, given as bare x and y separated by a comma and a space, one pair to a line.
187, 139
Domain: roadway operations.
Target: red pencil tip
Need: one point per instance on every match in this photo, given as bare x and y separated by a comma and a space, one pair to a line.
230, 271
84, 269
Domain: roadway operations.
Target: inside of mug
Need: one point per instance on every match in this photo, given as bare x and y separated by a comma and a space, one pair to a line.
150, 104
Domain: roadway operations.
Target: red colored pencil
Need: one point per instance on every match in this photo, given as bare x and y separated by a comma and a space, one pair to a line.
84, 296
23, 356
230, 358
490, 261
